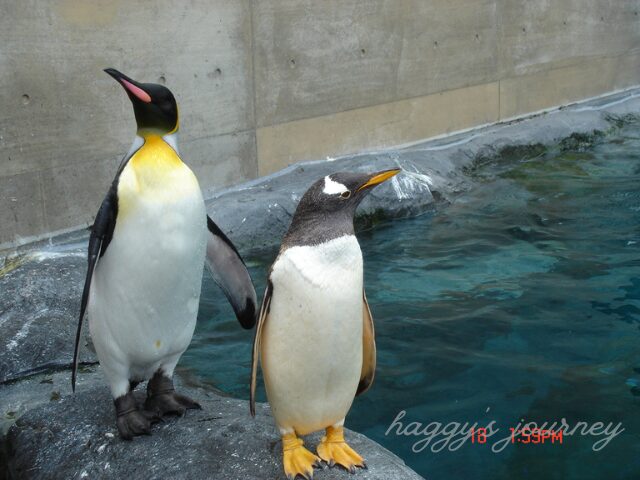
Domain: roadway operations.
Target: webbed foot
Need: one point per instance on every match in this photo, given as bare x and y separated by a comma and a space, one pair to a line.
297, 460
163, 400
335, 451
130, 420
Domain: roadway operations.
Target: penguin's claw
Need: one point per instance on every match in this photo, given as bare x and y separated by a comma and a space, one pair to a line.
133, 424
334, 451
162, 398
130, 420
297, 460
153, 417
170, 404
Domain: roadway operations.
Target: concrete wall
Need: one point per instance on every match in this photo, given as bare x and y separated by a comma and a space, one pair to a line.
265, 83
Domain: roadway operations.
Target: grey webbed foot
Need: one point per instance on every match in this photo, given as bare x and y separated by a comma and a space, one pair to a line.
162, 398
130, 420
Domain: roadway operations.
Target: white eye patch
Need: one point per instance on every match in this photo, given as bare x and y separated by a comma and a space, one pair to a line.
332, 188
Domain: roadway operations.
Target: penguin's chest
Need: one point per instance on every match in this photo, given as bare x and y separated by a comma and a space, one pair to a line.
146, 288
162, 233
312, 341
164, 223
161, 226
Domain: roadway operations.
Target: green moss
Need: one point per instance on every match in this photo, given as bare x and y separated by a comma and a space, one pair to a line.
506, 156
11, 263
522, 152
581, 142
86, 367
620, 121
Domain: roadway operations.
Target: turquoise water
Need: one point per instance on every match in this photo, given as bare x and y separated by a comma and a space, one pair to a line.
519, 300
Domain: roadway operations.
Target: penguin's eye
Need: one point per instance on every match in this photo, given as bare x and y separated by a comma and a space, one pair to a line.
345, 194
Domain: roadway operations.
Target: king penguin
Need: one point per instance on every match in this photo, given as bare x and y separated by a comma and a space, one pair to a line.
147, 250
315, 335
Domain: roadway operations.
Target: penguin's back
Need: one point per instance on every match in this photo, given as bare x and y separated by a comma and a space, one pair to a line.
312, 341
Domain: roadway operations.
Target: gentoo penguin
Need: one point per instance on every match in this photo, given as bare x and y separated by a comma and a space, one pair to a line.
315, 336
147, 249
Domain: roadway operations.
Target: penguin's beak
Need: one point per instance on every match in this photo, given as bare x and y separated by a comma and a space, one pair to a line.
132, 87
379, 177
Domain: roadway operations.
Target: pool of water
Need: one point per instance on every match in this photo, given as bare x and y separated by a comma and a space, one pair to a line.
520, 300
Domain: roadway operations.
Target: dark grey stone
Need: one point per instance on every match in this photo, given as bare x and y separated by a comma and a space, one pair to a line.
75, 437
19, 396
39, 307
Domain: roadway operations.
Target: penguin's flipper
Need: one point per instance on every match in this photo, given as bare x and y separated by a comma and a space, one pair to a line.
230, 273
368, 348
255, 355
101, 233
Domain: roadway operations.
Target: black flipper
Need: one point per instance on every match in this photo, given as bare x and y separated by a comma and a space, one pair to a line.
101, 234
230, 273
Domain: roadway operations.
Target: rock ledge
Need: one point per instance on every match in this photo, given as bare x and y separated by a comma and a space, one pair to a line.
75, 438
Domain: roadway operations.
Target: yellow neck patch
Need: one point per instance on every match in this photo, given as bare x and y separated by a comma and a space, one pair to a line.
154, 173
154, 161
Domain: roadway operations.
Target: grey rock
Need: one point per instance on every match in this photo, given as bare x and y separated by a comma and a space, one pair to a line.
18, 397
75, 437
39, 307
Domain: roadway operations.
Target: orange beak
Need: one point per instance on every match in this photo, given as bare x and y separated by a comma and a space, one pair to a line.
380, 177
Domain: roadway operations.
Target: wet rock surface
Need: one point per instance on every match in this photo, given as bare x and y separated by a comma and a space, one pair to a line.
18, 397
75, 437
39, 306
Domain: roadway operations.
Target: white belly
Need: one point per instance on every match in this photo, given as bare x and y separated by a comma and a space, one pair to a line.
312, 341
146, 288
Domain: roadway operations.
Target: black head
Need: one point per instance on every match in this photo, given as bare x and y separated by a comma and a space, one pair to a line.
327, 208
154, 105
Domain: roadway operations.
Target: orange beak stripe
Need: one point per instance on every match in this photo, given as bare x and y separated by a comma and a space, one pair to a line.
379, 178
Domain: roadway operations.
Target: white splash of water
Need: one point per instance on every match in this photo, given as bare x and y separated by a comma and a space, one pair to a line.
408, 183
